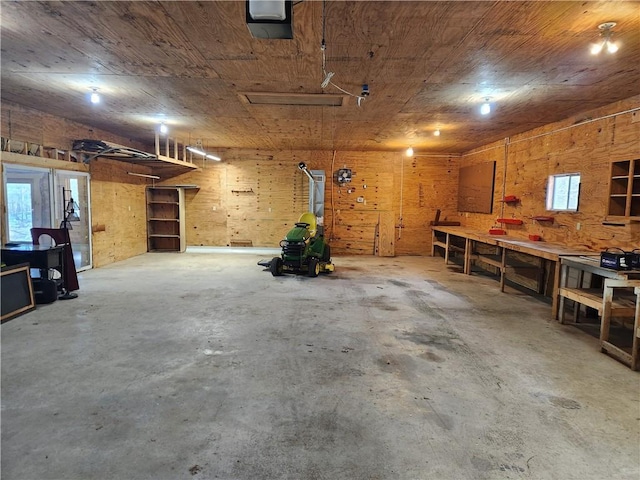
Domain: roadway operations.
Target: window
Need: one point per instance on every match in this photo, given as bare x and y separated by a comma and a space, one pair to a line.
563, 192
28, 201
20, 215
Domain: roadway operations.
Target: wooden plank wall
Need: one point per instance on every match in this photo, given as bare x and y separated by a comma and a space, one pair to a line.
429, 183
586, 144
118, 213
254, 197
29, 125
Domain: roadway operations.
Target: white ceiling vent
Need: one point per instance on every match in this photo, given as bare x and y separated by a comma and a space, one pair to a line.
299, 99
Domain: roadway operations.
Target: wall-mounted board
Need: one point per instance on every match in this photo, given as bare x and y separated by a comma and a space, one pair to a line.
17, 291
475, 188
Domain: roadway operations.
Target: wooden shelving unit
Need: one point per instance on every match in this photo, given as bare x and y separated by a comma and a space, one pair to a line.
624, 190
165, 219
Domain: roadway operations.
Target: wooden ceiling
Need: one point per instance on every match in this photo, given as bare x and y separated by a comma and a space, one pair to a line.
428, 65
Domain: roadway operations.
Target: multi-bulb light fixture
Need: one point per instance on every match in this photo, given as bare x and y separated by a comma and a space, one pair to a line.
606, 42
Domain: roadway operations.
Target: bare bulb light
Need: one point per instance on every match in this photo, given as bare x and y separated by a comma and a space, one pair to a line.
95, 98
485, 109
437, 132
409, 152
163, 129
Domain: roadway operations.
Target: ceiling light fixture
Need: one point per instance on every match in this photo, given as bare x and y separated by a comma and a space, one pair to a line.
437, 132
409, 152
163, 129
606, 34
95, 97
270, 19
197, 151
485, 108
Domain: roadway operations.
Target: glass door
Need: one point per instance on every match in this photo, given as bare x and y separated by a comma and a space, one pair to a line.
72, 198
28, 201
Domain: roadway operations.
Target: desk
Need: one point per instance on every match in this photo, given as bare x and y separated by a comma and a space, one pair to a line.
37, 256
542, 250
625, 304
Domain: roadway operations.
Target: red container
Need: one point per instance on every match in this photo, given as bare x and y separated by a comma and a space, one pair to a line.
535, 238
510, 221
497, 231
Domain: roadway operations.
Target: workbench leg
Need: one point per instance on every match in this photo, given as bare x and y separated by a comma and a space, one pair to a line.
433, 243
576, 305
468, 245
503, 268
540, 279
446, 249
557, 302
605, 322
636, 333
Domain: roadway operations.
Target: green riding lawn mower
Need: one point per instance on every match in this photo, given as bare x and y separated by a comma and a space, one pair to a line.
304, 250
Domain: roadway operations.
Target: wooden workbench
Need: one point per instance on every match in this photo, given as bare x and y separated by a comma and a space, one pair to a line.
542, 250
626, 302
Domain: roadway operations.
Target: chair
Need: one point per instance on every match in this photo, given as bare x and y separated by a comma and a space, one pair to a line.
60, 236
309, 219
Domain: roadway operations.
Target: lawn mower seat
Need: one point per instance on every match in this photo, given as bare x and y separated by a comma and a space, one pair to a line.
309, 219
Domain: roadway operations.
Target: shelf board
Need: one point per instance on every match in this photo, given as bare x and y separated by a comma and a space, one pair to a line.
164, 220
159, 235
164, 202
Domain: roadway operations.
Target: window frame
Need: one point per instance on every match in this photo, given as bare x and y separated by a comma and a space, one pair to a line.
551, 192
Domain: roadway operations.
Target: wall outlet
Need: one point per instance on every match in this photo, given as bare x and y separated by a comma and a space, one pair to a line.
214, 208
578, 226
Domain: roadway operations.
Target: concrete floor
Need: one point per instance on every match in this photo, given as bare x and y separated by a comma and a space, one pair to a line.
180, 366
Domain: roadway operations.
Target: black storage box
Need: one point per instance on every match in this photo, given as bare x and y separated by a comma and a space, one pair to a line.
635, 259
45, 291
617, 259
